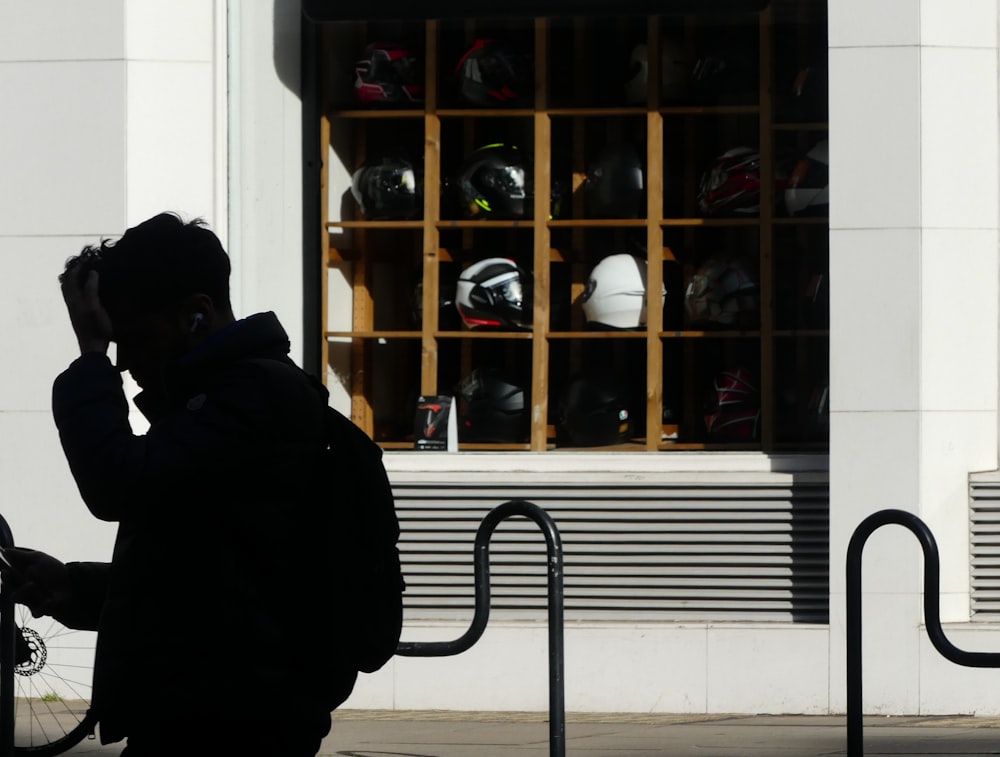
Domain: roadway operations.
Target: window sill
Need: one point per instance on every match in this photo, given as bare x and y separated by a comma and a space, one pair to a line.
603, 463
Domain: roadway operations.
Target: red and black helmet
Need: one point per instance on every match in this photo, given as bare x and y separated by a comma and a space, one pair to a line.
388, 73
731, 186
733, 412
494, 74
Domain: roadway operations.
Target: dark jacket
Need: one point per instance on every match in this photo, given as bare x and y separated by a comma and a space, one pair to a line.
215, 596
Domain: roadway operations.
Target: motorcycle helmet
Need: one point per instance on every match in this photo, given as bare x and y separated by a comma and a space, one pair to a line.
494, 74
803, 92
495, 409
615, 296
725, 76
818, 410
733, 414
388, 188
388, 73
807, 191
723, 292
732, 185
614, 186
817, 300
495, 293
495, 183
675, 73
448, 319
594, 412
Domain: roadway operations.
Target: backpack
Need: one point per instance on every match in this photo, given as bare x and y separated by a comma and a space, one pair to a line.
369, 577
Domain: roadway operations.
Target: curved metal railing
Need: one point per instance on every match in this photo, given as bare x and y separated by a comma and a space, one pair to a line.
932, 614
557, 707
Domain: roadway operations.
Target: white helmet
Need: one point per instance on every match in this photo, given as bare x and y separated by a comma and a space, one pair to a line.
808, 187
616, 292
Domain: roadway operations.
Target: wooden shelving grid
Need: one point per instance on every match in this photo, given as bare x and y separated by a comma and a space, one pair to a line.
385, 357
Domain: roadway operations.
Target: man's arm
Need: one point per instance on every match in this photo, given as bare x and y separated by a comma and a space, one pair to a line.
91, 413
72, 593
217, 436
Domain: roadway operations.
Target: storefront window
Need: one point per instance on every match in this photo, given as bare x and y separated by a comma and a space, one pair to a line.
593, 233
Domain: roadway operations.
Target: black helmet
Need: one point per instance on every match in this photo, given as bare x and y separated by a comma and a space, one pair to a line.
614, 184
725, 76
494, 74
818, 410
675, 72
495, 409
447, 314
807, 94
388, 73
388, 188
594, 412
495, 292
495, 183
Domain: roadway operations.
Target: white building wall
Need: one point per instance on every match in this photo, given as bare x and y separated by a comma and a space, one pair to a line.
175, 106
62, 167
121, 111
112, 110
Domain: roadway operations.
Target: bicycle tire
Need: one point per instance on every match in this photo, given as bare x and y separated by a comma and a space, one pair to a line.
53, 672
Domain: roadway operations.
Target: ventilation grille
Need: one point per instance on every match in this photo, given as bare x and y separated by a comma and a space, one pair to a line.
984, 542
739, 552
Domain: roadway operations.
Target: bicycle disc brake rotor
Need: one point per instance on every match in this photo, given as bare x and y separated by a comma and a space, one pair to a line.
30, 653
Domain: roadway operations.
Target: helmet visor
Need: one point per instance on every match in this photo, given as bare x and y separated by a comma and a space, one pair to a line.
509, 292
394, 181
510, 181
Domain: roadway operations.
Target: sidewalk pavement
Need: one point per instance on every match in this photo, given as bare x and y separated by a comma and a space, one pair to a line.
367, 733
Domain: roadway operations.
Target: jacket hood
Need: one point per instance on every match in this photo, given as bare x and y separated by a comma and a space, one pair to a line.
256, 336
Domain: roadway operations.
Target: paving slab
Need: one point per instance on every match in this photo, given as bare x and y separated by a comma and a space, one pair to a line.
378, 733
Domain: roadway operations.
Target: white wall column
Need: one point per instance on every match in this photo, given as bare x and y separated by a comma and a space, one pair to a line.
265, 130
914, 266
62, 152
175, 149
111, 114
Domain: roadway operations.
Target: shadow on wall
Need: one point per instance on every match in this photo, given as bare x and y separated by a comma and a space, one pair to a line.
287, 44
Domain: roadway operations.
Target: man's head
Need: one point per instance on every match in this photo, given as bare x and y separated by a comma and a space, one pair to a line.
165, 287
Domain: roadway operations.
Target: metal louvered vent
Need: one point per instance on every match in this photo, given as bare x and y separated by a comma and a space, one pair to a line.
984, 542
736, 551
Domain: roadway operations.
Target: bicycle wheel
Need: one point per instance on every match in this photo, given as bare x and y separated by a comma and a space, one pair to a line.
53, 670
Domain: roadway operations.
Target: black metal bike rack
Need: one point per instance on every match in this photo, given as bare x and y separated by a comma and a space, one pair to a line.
6, 657
557, 718
557, 706
932, 614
